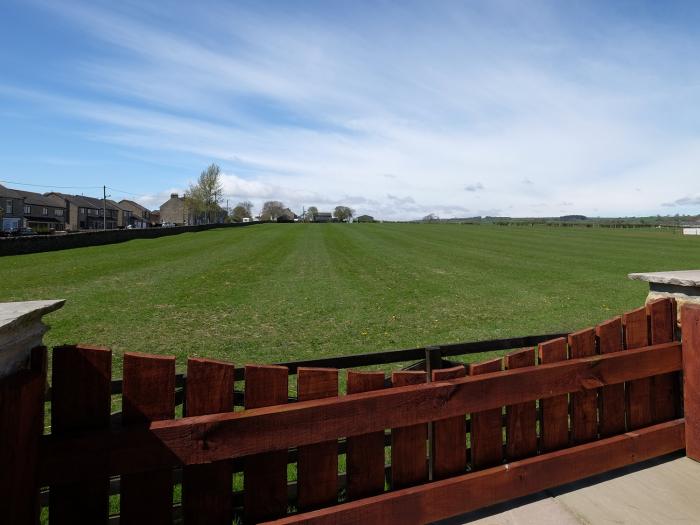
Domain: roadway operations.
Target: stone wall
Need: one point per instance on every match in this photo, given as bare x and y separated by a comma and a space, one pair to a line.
48, 243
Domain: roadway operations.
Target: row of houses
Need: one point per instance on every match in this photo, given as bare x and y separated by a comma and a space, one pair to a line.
56, 211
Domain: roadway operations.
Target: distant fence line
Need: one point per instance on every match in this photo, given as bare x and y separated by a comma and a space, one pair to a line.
49, 243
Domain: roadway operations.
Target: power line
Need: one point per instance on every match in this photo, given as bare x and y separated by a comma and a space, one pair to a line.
52, 187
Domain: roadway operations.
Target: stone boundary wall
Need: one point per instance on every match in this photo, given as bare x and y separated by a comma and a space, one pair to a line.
49, 243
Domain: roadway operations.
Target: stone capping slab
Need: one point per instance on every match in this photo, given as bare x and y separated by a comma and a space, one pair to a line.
679, 278
22, 329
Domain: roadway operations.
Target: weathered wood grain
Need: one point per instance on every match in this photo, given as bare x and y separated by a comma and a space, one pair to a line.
665, 388
636, 335
409, 464
206, 489
317, 465
584, 405
554, 426
611, 397
486, 437
521, 418
365, 453
449, 435
148, 395
690, 321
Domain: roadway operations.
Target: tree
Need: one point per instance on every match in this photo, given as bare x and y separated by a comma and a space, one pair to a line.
343, 213
243, 210
311, 214
272, 210
202, 198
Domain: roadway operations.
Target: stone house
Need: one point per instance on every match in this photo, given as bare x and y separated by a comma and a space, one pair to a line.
173, 211
11, 205
43, 213
140, 216
87, 213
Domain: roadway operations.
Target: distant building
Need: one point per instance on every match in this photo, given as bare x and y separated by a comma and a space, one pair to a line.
43, 213
323, 216
364, 218
173, 210
155, 218
140, 215
88, 213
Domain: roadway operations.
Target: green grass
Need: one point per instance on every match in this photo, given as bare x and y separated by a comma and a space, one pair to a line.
295, 291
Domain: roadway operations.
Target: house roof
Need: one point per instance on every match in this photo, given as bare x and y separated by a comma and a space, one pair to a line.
134, 204
88, 202
38, 199
7, 192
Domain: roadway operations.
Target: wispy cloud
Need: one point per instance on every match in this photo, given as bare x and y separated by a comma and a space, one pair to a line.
388, 112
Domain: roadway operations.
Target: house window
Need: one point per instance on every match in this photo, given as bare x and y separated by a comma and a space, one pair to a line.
27, 210
8, 206
44, 211
58, 212
82, 211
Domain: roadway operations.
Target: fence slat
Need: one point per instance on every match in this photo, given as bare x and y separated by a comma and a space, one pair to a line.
486, 426
148, 395
690, 322
317, 465
521, 419
636, 335
265, 475
408, 444
365, 453
449, 435
554, 427
664, 388
21, 426
81, 383
206, 489
584, 409
612, 397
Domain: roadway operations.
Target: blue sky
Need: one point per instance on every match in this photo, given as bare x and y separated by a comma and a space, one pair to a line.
397, 109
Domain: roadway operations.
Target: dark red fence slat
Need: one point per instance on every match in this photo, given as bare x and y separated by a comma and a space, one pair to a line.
148, 395
317, 465
636, 335
611, 397
486, 426
554, 426
665, 399
265, 475
81, 378
365, 453
408, 444
206, 489
449, 435
21, 426
584, 409
521, 419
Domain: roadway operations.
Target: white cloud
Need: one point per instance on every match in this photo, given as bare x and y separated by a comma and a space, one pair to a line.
392, 114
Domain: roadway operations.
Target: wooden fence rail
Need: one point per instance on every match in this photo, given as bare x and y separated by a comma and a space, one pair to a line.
409, 451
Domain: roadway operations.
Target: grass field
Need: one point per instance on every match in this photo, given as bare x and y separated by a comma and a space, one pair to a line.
295, 291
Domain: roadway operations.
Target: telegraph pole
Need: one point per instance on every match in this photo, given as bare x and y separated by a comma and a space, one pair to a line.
104, 208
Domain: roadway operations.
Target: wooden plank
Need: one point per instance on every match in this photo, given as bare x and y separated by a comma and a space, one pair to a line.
584, 409
207, 489
487, 425
611, 397
690, 321
521, 418
636, 335
81, 377
279, 428
317, 465
664, 388
365, 453
21, 424
457, 495
265, 475
449, 435
554, 425
148, 395
409, 464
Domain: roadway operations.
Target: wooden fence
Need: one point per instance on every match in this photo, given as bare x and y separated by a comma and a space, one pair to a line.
463, 438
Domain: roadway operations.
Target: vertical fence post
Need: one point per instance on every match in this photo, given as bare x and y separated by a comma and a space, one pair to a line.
690, 327
433, 361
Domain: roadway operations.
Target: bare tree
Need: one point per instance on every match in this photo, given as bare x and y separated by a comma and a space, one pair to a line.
272, 210
311, 214
242, 210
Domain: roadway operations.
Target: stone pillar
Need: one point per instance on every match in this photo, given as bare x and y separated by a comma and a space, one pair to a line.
21, 329
683, 286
